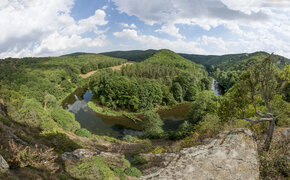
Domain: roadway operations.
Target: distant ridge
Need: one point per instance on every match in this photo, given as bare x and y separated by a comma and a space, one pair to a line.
209, 61
134, 55
76, 54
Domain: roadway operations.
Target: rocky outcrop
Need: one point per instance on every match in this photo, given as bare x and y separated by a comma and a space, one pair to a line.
3, 164
78, 154
232, 155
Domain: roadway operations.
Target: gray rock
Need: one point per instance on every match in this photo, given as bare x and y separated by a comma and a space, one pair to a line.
16, 138
3, 164
78, 154
232, 155
286, 133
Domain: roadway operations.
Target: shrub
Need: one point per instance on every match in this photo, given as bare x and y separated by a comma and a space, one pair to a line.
152, 124
4, 120
119, 173
65, 119
83, 133
209, 126
34, 157
90, 169
60, 141
61, 176
158, 150
133, 172
182, 131
275, 164
129, 138
48, 124
139, 160
204, 103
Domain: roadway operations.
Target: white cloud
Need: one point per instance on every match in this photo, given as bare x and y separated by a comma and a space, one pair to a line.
39, 27
251, 24
125, 25
170, 29
149, 41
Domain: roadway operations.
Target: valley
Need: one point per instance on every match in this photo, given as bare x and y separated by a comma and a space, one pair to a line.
159, 103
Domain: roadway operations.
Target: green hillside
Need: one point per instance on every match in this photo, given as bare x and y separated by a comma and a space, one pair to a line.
134, 55
154, 81
226, 62
38, 85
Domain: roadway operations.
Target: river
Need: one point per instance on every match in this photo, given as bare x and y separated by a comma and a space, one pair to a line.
115, 126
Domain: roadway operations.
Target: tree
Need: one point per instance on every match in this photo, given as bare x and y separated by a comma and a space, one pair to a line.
177, 92
286, 74
204, 103
260, 81
152, 124
65, 119
49, 101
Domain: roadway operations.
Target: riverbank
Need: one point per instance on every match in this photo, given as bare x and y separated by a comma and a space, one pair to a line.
109, 112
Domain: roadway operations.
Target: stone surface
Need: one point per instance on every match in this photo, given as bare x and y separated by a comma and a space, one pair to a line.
78, 154
232, 155
16, 138
3, 164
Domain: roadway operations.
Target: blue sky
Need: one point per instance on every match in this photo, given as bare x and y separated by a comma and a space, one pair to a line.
56, 27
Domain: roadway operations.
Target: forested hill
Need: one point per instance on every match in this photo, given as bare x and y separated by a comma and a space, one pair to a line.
165, 78
232, 61
134, 55
211, 62
226, 69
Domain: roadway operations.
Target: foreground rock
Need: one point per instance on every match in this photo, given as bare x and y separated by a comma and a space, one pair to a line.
232, 155
3, 164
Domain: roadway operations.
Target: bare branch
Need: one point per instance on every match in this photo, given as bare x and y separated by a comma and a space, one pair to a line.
262, 119
259, 120
259, 114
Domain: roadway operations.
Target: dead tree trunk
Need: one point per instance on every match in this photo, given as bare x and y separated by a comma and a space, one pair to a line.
269, 135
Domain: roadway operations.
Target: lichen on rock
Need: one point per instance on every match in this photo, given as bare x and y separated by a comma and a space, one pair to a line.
232, 155
3, 164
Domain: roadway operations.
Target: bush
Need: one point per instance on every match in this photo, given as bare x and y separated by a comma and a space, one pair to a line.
182, 131
119, 173
133, 172
60, 141
204, 103
209, 126
83, 133
34, 157
90, 169
129, 138
62, 176
65, 119
4, 120
158, 150
152, 124
139, 160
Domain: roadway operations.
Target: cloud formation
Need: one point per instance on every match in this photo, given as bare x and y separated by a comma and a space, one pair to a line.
41, 27
253, 24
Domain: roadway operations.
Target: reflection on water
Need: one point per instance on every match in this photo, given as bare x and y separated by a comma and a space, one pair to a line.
217, 90
96, 123
117, 125
101, 124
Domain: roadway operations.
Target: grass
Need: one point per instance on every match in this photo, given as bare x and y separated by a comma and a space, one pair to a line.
105, 111
131, 115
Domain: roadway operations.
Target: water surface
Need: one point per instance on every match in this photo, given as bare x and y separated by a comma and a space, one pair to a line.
101, 124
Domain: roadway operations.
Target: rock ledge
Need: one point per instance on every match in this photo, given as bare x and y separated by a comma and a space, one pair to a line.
232, 155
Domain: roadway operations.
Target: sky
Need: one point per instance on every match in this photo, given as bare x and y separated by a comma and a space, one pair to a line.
56, 27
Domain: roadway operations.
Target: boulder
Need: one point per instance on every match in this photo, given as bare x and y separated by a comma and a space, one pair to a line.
78, 154
231, 155
3, 164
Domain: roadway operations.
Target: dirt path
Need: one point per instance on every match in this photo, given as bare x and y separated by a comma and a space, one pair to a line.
113, 68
